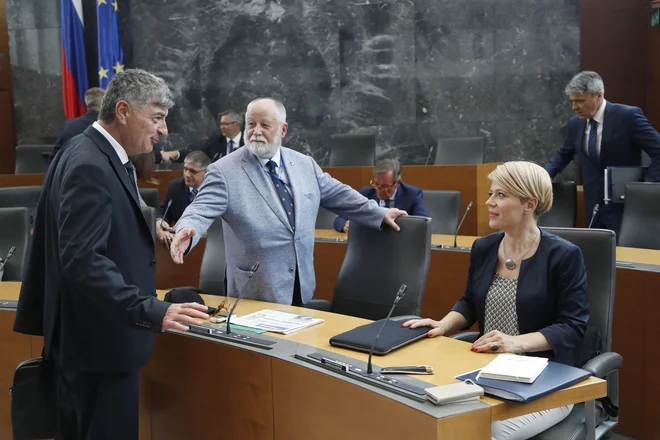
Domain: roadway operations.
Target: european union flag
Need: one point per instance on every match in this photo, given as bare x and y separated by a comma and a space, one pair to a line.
111, 55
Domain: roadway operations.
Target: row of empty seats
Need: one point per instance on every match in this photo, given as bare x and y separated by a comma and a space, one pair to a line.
346, 150
360, 150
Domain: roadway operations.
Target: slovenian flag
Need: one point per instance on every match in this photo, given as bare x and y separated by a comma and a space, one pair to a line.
74, 64
111, 55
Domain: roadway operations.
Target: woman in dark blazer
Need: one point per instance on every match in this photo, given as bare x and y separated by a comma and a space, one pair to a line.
526, 288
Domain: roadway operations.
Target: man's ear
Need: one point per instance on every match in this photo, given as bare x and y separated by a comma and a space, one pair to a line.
122, 110
285, 127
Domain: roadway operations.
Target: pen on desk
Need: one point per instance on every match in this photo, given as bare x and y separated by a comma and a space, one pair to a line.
417, 369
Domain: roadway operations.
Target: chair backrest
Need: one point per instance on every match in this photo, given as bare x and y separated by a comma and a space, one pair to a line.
14, 231
444, 207
325, 219
30, 160
599, 251
563, 213
640, 226
460, 151
150, 197
352, 150
21, 197
212, 271
150, 215
377, 263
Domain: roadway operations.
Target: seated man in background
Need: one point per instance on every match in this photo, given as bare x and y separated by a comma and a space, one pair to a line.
74, 127
390, 192
180, 193
219, 145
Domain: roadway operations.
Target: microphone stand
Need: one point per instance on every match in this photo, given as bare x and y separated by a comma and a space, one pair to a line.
469, 206
252, 271
594, 213
397, 298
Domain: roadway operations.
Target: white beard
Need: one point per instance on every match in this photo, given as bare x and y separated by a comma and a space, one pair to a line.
263, 150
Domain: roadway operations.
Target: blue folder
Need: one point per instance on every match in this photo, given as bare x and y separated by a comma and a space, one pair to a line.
555, 377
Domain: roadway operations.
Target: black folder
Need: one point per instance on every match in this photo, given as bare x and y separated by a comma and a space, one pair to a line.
616, 179
391, 338
555, 377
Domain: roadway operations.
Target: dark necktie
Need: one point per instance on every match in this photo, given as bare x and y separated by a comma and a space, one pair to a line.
388, 203
231, 146
193, 194
130, 170
283, 193
593, 133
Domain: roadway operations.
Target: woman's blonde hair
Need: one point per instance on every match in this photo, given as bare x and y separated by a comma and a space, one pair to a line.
525, 180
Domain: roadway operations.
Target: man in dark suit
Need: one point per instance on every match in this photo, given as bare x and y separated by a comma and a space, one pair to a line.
227, 141
604, 134
390, 192
180, 193
89, 286
74, 127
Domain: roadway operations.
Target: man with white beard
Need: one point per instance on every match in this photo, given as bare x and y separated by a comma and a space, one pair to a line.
268, 197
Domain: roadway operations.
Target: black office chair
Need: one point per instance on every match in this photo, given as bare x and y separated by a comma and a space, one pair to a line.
214, 262
376, 264
150, 197
14, 231
21, 197
30, 159
325, 219
150, 216
460, 151
640, 226
444, 207
563, 213
352, 150
599, 250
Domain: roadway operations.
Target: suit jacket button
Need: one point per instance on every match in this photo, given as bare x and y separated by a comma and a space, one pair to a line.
153, 263
291, 270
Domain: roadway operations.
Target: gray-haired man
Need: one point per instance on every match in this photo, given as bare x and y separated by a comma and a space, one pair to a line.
89, 286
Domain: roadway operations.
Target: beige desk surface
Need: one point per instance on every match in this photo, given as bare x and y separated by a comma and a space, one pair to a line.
449, 357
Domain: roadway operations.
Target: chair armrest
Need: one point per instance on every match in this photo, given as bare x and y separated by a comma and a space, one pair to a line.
466, 336
319, 304
404, 318
603, 364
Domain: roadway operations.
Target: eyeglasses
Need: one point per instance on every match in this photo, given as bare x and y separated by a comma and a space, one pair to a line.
191, 171
383, 187
224, 306
226, 124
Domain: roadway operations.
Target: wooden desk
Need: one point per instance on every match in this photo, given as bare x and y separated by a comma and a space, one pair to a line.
191, 381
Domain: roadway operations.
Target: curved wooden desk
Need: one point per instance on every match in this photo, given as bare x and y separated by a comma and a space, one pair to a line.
195, 387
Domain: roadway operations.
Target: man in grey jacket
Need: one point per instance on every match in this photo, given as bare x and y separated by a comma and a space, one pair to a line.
268, 197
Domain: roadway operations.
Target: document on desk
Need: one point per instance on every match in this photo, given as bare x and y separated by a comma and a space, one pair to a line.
277, 321
514, 368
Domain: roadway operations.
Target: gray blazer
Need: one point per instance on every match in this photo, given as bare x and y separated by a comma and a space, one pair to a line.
239, 190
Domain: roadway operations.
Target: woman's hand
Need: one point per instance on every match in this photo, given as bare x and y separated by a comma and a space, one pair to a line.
437, 327
497, 342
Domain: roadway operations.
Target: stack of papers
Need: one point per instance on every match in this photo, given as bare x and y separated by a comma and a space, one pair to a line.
514, 368
277, 321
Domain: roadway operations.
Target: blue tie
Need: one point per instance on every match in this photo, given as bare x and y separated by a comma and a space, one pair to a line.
593, 133
282, 192
231, 146
193, 194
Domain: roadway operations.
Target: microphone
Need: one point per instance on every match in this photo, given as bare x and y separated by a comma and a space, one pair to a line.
252, 271
397, 298
469, 206
594, 213
164, 216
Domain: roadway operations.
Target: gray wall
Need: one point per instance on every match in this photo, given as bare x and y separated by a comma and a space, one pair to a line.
412, 71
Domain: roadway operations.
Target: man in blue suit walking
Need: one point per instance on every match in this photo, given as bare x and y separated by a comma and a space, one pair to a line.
604, 134
389, 191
